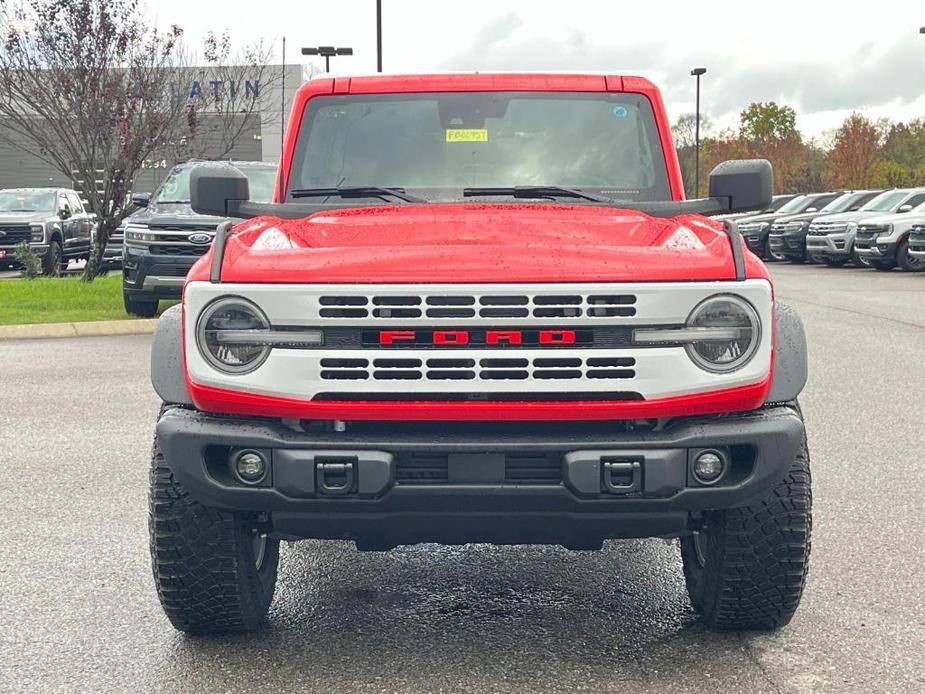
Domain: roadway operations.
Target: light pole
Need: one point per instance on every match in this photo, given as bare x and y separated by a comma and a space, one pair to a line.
697, 72
327, 52
378, 35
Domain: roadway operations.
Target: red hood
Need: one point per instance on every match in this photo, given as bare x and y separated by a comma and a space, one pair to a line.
478, 243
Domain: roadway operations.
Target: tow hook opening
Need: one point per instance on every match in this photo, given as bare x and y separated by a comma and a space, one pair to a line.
621, 475
335, 476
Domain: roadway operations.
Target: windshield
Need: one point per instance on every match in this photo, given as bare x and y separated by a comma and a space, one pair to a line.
449, 141
886, 202
27, 201
795, 205
261, 180
175, 187
843, 202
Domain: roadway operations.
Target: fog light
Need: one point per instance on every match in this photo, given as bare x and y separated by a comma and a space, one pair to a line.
709, 467
250, 467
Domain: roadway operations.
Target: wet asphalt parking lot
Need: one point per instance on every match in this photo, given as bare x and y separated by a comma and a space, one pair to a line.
78, 610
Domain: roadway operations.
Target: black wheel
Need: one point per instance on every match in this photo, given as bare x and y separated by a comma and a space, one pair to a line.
859, 260
747, 567
906, 261
882, 265
836, 262
53, 263
796, 260
143, 308
215, 571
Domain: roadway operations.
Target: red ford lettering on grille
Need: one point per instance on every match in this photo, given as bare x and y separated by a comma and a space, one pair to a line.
451, 337
557, 337
504, 337
477, 338
391, 337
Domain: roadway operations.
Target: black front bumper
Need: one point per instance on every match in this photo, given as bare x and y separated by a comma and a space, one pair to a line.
788, 245
505, 484
154, 276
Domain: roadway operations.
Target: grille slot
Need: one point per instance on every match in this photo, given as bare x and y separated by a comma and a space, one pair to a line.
450, 312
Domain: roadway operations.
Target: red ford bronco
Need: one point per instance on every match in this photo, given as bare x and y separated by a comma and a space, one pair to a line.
479, 310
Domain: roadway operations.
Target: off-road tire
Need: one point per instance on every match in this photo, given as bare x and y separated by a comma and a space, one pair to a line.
142, 308
52, 263
756, 557
204, 561
905, 261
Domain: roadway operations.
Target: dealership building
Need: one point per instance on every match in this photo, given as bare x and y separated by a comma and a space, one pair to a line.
260, 140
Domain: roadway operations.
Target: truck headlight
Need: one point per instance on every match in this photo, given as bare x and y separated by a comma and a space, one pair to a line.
732, 350
138, 234
721, 334
38, 232
222, 335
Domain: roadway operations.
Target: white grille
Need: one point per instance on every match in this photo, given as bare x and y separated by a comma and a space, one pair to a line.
426, 307
477, 370
494, 368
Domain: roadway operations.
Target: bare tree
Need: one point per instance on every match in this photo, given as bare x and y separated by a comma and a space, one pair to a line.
93, 89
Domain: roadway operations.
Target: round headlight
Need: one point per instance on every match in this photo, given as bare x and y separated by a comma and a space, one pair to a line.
216, 332
744, 333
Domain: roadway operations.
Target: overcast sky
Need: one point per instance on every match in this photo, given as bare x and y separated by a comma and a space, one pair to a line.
825, 58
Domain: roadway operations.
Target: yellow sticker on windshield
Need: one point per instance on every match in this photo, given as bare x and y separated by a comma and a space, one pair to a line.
467, 135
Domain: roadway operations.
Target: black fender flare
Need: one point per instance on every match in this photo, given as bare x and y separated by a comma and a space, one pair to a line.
791, 363
167, 374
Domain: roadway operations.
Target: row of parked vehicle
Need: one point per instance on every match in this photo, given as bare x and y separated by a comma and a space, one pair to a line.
157, 243
883, 229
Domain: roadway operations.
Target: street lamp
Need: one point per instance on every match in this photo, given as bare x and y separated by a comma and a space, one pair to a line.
378, 35
697, 72
327, 52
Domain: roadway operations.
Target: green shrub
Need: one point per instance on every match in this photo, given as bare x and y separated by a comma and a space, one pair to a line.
30, 263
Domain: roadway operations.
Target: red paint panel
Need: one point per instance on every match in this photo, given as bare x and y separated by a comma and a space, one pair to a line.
467, 242
740, 399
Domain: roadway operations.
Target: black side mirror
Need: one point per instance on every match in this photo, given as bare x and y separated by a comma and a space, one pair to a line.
141, 199
214, 185
746, 183
64, 212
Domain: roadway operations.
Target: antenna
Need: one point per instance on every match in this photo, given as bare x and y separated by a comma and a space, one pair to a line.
282, 123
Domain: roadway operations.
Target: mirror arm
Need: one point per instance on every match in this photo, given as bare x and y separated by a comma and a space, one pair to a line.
731, 228
218, 250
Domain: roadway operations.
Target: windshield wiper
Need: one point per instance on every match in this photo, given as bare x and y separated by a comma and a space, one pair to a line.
357, 192
536, 192
173, 202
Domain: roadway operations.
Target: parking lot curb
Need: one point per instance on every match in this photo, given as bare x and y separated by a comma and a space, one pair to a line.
102, 328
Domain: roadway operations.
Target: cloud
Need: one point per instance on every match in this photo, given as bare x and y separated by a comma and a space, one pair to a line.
866, 77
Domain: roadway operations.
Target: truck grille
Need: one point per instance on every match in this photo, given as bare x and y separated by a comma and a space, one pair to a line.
867, 236
917, 239
173, 239
15, 234
353, 306
824, 228
486, 369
